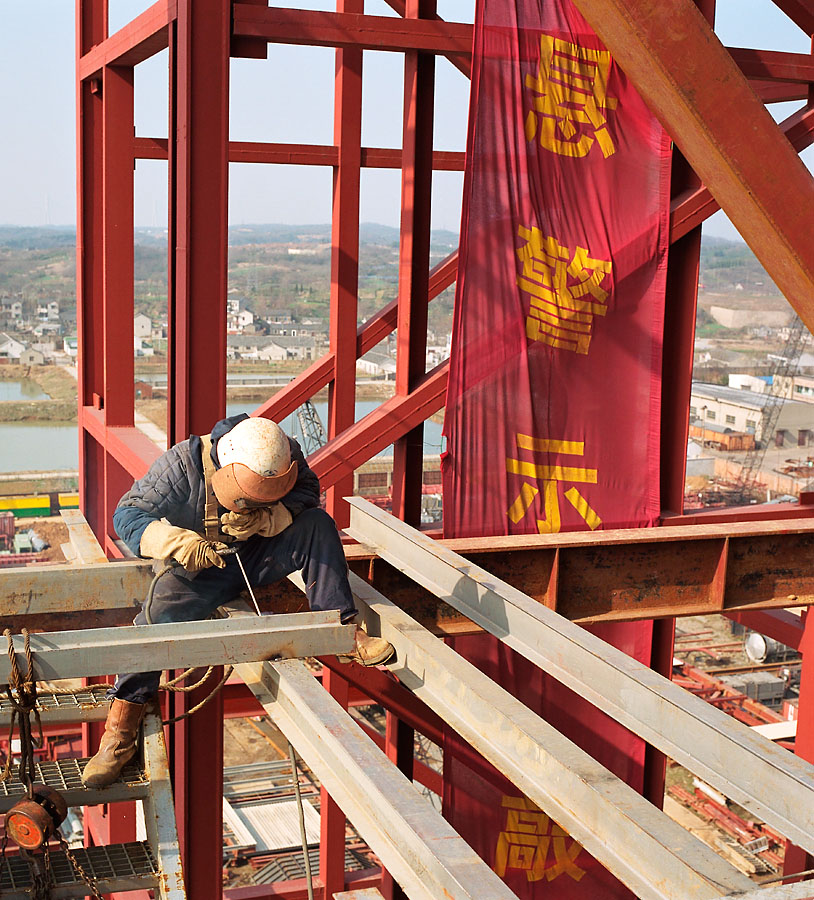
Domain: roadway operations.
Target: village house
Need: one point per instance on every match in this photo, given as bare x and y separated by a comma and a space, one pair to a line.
142, 326
10, 348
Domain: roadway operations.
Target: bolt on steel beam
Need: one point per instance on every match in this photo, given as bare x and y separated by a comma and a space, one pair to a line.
709, 743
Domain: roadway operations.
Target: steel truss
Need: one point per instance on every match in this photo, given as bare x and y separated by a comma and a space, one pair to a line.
693, 84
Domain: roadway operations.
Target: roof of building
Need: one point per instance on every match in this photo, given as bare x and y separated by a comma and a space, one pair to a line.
735, 396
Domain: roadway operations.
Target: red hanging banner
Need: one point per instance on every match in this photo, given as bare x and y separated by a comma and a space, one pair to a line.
553, 406
552, 414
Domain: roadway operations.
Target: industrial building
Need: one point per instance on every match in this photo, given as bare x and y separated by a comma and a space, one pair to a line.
539, 691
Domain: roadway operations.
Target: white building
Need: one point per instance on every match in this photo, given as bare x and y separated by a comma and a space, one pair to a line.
377, 364
749, 383
142, 326
10, 348
739, 410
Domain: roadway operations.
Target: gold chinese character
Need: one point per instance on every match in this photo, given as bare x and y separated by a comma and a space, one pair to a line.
566, 291
551, 474
525, 843
570, 87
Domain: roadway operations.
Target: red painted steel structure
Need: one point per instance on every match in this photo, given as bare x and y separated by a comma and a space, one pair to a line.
770, 203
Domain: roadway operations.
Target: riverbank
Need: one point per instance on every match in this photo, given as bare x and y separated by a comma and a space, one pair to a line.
55, 381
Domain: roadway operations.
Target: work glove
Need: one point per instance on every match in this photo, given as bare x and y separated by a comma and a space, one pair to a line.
160, 540
267, 521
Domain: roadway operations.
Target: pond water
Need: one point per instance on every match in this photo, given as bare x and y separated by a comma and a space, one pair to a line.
38, 447
25, 389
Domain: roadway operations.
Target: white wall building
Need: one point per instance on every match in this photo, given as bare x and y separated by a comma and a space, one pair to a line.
142, 326
749, 383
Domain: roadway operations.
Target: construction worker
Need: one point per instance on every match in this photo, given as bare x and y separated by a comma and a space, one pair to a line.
248, 486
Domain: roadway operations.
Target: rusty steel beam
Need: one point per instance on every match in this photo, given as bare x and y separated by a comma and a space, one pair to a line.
352, 30
603, 576
140, 39
693, 85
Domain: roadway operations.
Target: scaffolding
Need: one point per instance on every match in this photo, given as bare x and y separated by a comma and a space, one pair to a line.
693, 83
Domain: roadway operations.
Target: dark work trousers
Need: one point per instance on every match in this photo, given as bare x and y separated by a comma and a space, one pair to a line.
311, 544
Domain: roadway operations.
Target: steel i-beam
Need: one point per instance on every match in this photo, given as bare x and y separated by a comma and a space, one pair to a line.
708, 742
146, 648
654, 856
410, 837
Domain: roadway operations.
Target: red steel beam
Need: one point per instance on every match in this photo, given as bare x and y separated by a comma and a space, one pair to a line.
778, 624
329, 29
690, 209
198, 223
767, 65
801, 12
305, 154
298, 889
377, 327
461, 61
345, 253
140, 39
414, 257
378, 429
692, 83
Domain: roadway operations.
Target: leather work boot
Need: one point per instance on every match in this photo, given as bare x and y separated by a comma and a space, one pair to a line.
369, 651
118, 744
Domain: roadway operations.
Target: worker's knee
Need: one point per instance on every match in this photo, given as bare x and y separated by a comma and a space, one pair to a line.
317, 522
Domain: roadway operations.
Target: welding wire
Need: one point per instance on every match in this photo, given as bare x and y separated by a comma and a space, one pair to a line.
295, 776
246, 579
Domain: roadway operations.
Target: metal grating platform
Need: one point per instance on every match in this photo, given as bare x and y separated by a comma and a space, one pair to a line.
89, 705
119, 867
65, 776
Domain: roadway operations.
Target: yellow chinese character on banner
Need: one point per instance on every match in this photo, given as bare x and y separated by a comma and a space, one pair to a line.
570, 91
551, 474
566, 291
528, 839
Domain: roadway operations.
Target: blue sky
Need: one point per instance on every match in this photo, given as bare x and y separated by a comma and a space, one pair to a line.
37, 152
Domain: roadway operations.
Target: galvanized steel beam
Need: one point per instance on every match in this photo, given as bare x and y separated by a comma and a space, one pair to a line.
708, 742
412, 840
146, 648
693, 85
654, 856
159, 812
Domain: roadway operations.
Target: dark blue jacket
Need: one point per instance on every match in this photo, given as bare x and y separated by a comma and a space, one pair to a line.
173, 488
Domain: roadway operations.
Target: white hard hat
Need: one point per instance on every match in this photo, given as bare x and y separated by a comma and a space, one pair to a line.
256, 466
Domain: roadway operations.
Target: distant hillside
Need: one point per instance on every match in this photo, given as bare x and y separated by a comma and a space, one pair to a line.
728, 266
277, 266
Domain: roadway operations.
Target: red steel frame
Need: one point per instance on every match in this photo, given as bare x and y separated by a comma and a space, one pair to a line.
201, 36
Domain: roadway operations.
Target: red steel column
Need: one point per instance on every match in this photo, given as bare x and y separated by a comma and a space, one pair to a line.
117, 276
332, 819
679, 334
414, 261
91, 29
199, 130
676, 383
797, 860
399, 744
345, 253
